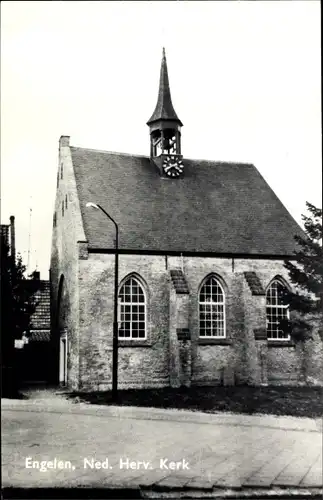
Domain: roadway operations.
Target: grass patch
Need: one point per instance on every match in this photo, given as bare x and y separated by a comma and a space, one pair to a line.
295, 401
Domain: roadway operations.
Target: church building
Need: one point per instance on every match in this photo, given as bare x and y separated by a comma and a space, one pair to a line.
200, 275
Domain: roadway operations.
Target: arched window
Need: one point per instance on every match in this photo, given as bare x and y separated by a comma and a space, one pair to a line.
132, 304
276, 310
212, 309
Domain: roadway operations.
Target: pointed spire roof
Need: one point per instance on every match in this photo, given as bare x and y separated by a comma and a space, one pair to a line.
164, 108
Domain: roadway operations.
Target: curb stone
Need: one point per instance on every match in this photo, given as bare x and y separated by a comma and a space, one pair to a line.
238, 494
145, 413
149, 492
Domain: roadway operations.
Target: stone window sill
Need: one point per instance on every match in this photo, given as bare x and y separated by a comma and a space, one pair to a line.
282, 343
134, 343
202, 341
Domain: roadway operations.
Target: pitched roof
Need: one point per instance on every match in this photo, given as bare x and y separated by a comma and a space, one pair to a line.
4, 233
40, 335
164, 108
215, 207
40, 319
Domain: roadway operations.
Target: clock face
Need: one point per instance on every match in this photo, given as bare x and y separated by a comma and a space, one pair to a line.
172, 166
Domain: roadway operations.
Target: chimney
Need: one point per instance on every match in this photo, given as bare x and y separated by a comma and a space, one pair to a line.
12, 238
64, 140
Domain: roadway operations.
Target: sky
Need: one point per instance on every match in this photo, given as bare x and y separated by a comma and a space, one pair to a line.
245, 80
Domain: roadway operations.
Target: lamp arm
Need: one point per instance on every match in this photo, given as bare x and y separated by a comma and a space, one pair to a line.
111, 219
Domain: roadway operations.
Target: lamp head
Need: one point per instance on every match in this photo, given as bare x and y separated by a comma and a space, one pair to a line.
93, 205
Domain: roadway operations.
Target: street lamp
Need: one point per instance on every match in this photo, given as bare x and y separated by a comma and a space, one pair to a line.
115, 311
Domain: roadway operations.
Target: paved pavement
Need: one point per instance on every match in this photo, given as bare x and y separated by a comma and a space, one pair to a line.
157, 450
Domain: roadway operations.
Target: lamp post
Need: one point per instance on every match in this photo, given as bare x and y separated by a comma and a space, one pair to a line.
115, 311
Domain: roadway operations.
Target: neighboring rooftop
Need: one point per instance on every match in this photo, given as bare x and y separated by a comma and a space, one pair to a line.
216, 207
4, 233
40, 319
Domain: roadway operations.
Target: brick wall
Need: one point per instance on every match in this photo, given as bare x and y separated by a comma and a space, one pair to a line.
174, 353
65, 263
145, 363
313, 349
150, 364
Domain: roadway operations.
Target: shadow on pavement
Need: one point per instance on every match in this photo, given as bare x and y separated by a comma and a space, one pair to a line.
136, 493
69, 493
15, 395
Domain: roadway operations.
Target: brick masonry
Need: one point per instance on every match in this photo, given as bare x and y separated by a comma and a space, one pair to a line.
254, 283
167, 356
65, 266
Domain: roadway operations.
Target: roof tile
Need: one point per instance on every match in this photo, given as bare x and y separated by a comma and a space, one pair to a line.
40, 319
214, 207
39, 336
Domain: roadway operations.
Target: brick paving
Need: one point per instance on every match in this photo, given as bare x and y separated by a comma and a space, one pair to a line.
220, 452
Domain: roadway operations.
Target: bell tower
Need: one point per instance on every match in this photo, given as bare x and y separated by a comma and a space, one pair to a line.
165, 130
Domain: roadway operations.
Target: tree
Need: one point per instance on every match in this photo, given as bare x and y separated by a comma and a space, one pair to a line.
306, 303
17, 306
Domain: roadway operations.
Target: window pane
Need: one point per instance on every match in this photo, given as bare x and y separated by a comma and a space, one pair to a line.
211, 309
276, 310
132, 310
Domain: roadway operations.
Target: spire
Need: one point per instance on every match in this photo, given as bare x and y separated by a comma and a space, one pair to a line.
164, 108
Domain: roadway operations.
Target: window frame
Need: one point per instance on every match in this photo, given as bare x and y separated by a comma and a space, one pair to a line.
287, 338
223, 303
145, 304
